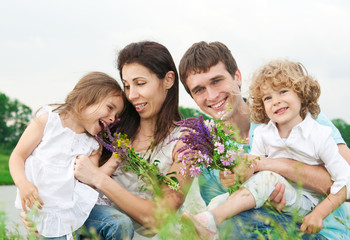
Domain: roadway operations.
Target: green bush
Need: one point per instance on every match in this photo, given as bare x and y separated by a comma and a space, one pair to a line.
5, 176
344, 129
191, 112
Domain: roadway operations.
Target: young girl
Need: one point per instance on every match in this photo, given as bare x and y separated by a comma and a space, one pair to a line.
42, 163
284, 98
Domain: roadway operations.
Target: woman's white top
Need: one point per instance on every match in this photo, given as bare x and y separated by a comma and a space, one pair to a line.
130, 181
67, 202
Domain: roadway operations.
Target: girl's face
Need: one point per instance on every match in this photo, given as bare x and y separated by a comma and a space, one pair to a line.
94, 117
144, 89
282, 106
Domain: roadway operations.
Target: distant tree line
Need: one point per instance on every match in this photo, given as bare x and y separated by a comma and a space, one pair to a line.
15, 116
191, 112
344, 129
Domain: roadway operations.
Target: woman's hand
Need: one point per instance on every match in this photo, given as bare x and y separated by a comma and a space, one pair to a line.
85, 170
29, 195
29, 224
111, 165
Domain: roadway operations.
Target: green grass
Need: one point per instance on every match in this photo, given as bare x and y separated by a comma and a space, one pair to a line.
5, 176
6, 234
172, 228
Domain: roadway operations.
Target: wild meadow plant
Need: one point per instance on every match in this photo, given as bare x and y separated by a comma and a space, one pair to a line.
211, 144
208, 144
217, 145
5, 233
168, 223
279, 228
148, 172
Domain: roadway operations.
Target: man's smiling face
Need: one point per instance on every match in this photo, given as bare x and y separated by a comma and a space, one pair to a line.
214, 89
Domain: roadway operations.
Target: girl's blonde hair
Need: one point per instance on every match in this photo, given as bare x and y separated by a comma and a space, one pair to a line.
279, 74
90, 89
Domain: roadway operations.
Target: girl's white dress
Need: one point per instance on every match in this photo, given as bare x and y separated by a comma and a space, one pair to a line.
67, 202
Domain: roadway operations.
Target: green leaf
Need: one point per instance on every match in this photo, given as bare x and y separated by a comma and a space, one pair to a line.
174, 179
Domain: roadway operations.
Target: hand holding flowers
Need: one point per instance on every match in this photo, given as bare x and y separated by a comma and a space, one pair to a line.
119, 144
213, 145
241, 171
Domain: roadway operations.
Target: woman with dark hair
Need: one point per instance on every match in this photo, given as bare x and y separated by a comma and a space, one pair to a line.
151, 86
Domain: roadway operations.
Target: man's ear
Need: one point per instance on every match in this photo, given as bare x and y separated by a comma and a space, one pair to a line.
169, 80
238, 78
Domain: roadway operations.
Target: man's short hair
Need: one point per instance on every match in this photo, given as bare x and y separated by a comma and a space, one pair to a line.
201, 56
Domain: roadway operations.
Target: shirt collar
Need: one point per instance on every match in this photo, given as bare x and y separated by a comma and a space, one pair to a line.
305, 127
271, 124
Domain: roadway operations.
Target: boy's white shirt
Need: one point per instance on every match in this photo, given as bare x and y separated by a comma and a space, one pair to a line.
310, 143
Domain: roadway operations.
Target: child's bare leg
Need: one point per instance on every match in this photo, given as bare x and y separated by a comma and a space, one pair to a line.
260, 186
238, 202
206, 223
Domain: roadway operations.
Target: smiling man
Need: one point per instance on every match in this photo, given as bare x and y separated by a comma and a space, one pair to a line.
210, 75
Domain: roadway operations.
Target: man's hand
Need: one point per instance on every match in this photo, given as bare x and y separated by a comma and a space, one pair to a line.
241, 173
228, 179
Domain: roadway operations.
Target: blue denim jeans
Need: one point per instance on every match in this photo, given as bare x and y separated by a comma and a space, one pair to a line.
53, 238
109, 223
75, 235
262, 223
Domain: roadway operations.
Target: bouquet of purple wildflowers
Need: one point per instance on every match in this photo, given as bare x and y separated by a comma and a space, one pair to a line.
119, 144
210, 145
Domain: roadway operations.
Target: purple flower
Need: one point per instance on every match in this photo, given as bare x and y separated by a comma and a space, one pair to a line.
198, 137
225, 161
207, 144
210, 144
219, 147
195, 171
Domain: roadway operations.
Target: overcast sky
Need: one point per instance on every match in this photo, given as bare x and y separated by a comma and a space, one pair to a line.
47, 46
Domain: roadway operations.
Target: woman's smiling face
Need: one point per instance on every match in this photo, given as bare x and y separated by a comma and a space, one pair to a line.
143, 89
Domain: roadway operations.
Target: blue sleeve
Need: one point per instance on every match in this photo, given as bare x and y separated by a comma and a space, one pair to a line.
323, 120
210, 185
251, 134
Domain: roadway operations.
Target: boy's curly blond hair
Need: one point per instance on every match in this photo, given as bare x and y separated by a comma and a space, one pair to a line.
283, 74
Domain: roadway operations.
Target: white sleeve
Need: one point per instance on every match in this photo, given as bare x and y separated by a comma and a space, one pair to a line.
95, 145
336, 165
43, 110
258, 146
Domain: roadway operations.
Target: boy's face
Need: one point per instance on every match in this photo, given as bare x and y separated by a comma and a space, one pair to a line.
214, 89
282, 106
